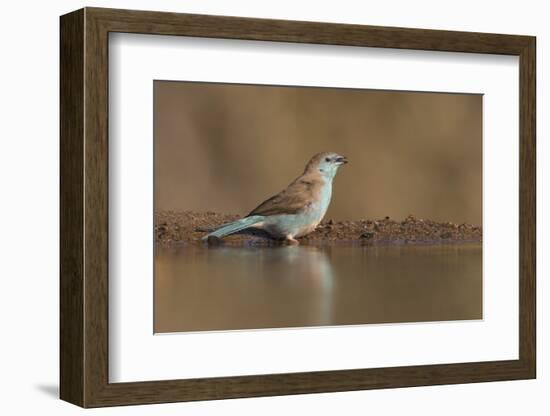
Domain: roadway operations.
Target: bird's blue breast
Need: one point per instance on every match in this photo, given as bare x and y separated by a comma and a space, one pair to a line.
302, 222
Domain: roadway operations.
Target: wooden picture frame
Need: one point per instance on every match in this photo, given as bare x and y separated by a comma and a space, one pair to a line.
84, 207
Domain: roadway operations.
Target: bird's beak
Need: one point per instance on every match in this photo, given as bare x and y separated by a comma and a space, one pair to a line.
342, 160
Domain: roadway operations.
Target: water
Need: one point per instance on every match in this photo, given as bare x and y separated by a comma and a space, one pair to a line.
224, 288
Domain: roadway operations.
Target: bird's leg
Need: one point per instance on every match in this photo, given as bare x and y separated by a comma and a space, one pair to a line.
291, 240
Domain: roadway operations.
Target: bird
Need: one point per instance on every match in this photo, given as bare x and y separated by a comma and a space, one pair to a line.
295, 211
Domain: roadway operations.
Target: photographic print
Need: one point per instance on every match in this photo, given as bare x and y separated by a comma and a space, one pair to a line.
333, 208
293, 207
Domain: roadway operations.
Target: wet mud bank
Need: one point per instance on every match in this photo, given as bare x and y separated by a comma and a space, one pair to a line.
189, 227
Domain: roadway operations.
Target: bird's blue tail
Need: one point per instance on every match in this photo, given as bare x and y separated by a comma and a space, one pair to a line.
235, 226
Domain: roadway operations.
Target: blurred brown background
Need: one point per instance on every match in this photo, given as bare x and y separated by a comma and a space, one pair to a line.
226, 148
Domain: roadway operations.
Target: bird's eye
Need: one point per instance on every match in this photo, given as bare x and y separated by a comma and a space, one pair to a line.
327, 159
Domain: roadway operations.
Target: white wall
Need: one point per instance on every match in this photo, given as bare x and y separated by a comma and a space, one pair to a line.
29, 208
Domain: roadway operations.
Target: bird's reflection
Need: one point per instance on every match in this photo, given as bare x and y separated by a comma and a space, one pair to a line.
306, 265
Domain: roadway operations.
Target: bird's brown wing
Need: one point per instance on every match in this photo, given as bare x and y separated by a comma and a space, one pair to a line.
297, 196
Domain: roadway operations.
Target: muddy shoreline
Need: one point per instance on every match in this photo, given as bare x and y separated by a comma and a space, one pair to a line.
188, 227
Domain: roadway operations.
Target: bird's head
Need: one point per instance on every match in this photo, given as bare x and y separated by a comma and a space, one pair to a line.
326, 163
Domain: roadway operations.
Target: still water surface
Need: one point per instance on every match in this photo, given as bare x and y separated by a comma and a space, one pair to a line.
224, 288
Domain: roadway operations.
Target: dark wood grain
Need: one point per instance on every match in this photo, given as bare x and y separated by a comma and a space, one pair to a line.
162, 23
96, 219
84, 207
72, 370
527, 207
